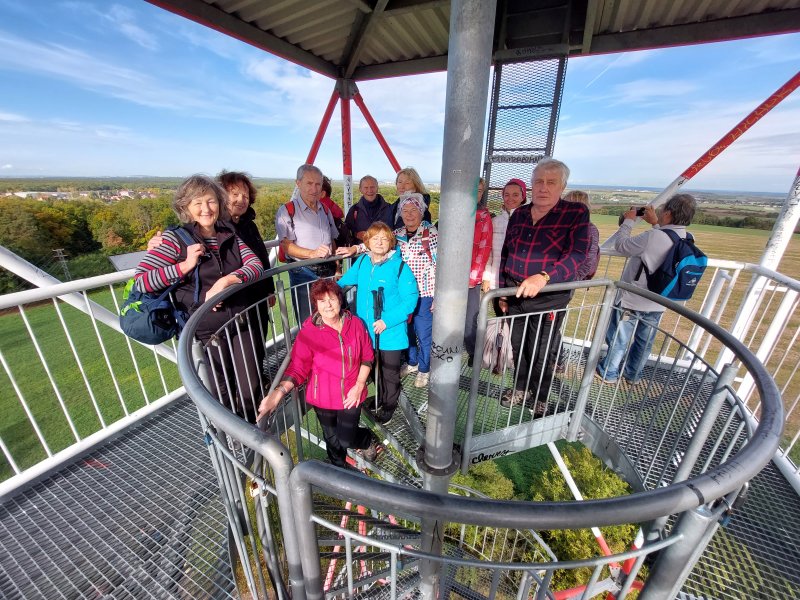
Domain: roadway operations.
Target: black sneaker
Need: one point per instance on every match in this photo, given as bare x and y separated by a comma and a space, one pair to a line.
370, 453
383, 415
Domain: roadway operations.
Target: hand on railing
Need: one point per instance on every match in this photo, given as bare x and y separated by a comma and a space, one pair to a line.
271, 400
531, 286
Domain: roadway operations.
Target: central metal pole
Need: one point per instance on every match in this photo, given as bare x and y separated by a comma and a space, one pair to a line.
469, 60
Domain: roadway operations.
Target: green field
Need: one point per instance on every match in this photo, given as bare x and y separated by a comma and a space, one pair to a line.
33, 382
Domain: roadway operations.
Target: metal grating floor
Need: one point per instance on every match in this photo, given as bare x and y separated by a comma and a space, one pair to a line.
758, 554
139, 517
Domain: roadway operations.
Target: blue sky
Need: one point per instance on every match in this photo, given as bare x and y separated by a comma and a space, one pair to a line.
101, 88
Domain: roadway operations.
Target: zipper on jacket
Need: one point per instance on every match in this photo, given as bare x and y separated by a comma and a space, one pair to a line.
341, 350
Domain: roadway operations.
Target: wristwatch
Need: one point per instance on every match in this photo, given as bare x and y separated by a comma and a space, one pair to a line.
546, 276
239, 276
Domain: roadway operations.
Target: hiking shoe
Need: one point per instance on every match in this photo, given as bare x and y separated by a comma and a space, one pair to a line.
421, 380
406, 369
512, 398
539, 409
383, 415
370, 453
602, 378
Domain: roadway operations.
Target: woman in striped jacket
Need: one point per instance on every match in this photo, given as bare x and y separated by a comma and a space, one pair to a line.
218, 259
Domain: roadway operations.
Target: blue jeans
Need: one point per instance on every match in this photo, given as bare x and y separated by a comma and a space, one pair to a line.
419, 335
299, 280
624, 325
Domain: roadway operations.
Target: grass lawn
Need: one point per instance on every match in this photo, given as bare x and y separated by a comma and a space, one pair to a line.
34, 383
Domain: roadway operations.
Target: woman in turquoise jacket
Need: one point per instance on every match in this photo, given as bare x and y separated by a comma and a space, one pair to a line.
382, 275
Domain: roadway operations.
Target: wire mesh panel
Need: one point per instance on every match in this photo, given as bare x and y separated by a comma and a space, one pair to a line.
526, 99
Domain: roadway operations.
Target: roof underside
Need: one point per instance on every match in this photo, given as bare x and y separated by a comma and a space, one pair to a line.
368, 39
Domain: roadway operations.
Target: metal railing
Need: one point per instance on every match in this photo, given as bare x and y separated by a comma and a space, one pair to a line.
72, 378
121, 382
760, 308
691, 483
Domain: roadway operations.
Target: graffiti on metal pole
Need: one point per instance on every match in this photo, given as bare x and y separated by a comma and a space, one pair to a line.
445, 354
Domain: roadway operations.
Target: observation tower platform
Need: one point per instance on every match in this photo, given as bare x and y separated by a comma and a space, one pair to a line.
116, 485
141, 514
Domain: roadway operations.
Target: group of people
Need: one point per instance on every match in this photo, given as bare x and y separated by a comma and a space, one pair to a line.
528, 246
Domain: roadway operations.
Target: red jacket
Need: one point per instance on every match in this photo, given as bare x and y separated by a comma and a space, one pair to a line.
329, 362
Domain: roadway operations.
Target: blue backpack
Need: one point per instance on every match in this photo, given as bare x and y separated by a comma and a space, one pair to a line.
679, 274
153, 318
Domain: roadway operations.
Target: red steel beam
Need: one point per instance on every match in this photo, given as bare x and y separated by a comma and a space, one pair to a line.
376, 131
323, 126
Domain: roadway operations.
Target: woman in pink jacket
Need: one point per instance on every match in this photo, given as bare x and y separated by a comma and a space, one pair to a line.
333, 356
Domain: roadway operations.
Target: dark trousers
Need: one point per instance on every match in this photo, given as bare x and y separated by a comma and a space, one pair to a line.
300, 280
389, 379
341, 431
235, 365
471, 323
536, 339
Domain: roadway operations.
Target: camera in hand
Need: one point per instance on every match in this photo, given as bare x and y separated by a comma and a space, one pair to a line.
639, 213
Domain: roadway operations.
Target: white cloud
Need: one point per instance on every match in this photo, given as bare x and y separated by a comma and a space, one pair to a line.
772, 50
119, 18
6, 167
641, 91
11, 117
79, 68
604, 64
124, 20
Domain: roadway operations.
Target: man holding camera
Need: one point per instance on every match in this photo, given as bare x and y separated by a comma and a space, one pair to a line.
634, 316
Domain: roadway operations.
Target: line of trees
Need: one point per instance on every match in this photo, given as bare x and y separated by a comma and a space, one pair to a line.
704, 217
90, 230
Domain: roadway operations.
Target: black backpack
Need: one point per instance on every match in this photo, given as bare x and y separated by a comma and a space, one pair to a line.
679, 274
152, 318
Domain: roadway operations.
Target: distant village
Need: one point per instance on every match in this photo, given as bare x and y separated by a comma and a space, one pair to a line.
104, 195
598, 194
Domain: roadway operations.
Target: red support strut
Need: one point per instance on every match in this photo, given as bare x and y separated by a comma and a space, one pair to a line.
347, 154
323, 126
377, 132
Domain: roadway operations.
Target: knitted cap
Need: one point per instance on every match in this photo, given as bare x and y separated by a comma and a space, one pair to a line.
521, 184
415, 199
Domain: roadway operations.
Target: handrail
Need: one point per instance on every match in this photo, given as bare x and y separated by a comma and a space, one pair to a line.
639, 506
792, 284
61, 289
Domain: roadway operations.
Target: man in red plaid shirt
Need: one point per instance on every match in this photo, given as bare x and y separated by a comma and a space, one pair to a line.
545, 243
